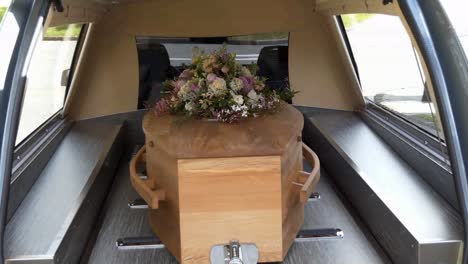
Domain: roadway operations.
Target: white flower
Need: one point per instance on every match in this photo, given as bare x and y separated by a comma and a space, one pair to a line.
189, 106
201, 83
246, 72
242, 109
184, 91
238, 108
253, 95
236, 84
239, 99
218, 86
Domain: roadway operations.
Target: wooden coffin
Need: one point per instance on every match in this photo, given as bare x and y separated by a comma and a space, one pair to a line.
210, 183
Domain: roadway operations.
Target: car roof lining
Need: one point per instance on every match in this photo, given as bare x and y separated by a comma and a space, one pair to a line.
90, 11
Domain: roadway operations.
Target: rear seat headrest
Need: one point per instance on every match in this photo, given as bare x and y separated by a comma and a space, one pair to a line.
273, 63
155, 60
154, 69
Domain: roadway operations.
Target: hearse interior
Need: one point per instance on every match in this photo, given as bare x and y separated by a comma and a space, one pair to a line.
381, 88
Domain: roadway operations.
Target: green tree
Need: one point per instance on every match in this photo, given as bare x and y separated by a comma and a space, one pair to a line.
2, 12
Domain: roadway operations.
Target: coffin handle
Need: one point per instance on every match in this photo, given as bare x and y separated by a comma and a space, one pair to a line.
309, 180
151, 197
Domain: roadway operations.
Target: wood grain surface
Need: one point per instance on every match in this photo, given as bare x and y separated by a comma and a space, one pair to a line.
226, 176
292, 215
190, 138
119, 221
163, 173
149, 192
309, 179
237, 198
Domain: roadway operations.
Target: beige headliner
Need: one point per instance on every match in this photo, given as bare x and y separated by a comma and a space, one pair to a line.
106, 80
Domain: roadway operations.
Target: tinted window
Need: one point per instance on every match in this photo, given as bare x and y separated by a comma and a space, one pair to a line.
47, 77
164, 58
389, 68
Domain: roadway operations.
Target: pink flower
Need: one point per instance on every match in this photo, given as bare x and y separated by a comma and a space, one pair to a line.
194, 87
186, 75
248, 82
178, 84
161, 107
225, 69
211, 77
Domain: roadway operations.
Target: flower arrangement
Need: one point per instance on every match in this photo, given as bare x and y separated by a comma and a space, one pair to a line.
215, 86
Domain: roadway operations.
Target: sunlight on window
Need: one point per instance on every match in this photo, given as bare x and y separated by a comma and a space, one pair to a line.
47, 78
390, 70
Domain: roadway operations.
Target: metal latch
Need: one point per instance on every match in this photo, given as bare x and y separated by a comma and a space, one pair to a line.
234, 253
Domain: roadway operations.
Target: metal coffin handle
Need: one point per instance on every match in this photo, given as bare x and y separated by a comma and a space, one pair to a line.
234, 253
309, 180
151, 197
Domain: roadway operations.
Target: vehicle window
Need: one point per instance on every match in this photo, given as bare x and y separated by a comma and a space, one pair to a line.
389, 68
47, 77
163, 58
4, 4
8, 37
456, 11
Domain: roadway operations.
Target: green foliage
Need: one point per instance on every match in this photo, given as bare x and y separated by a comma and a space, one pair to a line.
287, 94
426, 117
216, 86
2, 12
354, 19
253, 68
66, 31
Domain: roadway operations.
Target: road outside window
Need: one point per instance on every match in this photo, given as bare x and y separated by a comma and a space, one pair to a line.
389, 68
47, 77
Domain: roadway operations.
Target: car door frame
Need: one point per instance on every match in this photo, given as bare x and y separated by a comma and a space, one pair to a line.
21, 26
448, 68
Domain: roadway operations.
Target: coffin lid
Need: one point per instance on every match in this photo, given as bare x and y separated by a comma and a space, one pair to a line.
191, 138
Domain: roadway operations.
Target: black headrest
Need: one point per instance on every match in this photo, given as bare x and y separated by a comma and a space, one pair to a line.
273, 63
154, 63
